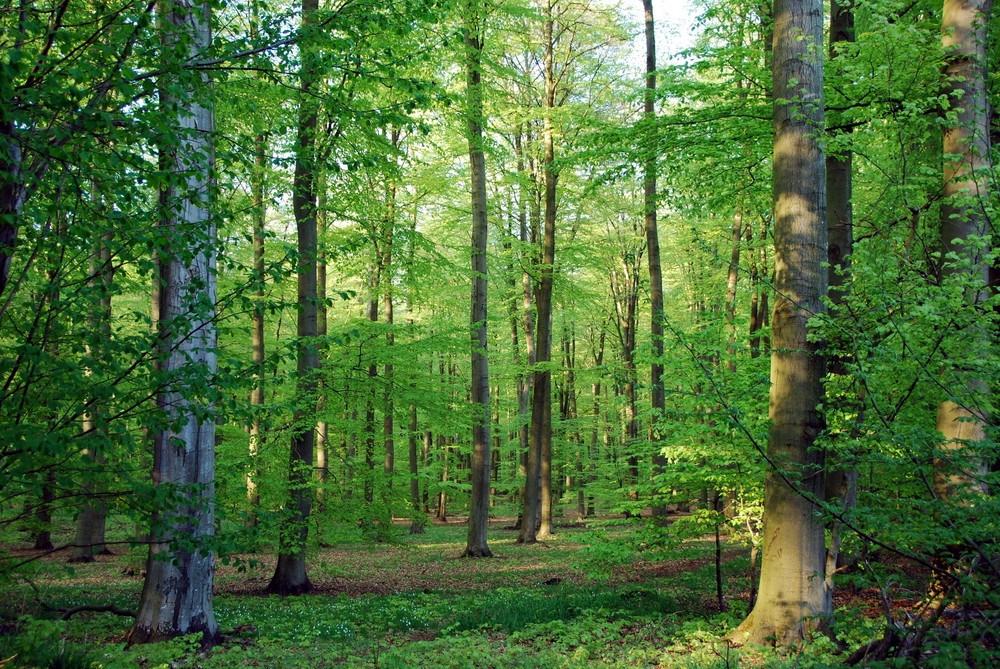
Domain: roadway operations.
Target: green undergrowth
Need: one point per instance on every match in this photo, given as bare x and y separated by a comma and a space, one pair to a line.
506, 612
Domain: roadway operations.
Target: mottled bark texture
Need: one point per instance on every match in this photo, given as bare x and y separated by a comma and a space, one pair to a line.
177, 595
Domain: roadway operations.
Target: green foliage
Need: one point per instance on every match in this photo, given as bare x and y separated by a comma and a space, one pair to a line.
511, 611
38, 644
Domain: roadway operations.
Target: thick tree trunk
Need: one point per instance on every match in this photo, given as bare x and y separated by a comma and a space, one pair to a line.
479, 503
958, 469
792, 599
177, 595
290, 574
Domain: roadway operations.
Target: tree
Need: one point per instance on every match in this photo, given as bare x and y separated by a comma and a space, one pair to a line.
658, 399
959, 469
841, 482
791, 599
290, 576
479, 505
177, 595
541, 384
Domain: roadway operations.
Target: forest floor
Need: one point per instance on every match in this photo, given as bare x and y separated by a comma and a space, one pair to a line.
581, 598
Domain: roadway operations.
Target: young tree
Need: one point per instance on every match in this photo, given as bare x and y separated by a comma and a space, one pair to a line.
791, 598
177, 595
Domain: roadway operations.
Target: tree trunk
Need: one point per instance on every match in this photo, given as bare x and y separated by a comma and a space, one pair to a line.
658, 400
841, 485
12, 191
92, 519
523, 388
442, 502
541, 397
257, 328
598, 354
290, 573
791, 600
479, 503
177, 594
322, 428
389, 403
417, 520
958, 469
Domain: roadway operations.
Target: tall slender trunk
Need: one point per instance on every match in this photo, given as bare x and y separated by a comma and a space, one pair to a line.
658, 399
322, 428
479, 512
12, 191
290, 573
257, 327
389, 400
732, 281
541, 397
91, 522
625, 293
371, 312
417, 520
526, 239
841, 484
598, 354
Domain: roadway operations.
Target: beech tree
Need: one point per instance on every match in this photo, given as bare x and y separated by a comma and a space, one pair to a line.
177, 595
290, 576
791, 599
480, 470
964, 228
